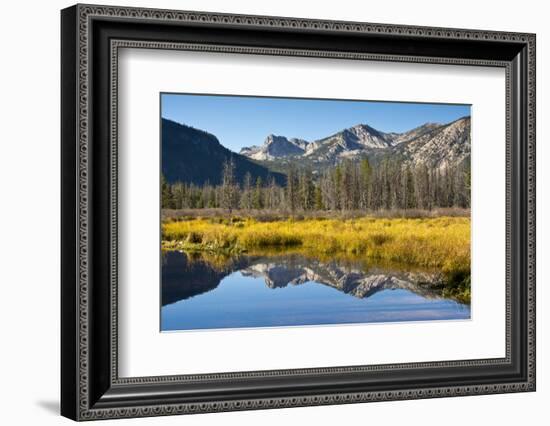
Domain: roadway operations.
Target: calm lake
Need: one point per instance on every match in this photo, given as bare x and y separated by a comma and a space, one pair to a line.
292, 290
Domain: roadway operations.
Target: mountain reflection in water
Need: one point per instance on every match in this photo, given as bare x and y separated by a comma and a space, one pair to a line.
285, 290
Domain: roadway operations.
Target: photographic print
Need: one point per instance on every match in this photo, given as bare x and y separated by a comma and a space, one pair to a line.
280, 212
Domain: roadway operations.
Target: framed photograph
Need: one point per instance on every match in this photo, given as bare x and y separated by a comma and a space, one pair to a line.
263, 212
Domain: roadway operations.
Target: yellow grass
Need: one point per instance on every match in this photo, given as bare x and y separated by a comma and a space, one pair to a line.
442, 242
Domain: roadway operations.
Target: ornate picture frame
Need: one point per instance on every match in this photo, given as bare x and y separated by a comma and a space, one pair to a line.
91, 37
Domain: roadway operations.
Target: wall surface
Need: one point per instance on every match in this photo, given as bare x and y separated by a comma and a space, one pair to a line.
29, 225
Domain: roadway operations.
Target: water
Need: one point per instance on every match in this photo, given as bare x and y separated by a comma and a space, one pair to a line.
291, 290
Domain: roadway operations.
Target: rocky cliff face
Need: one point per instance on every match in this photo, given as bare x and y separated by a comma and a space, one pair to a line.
441, 147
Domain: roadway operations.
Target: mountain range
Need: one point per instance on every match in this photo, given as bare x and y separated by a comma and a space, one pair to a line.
436, 145
195, 156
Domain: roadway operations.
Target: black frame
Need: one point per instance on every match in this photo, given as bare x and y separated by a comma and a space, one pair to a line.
91, 37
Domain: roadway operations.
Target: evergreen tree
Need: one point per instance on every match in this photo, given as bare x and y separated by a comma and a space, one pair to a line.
246, 197
167, 201
229, 189
257, 201
291, 189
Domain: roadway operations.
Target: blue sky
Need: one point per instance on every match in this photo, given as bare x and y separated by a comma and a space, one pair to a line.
239, 121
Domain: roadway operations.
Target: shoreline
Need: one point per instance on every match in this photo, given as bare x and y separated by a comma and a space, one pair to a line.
276, 215
441, 243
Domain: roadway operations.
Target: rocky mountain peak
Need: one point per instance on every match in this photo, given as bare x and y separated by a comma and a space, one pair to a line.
275, 147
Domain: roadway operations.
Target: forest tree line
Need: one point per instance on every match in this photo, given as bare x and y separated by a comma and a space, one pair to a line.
349, 186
